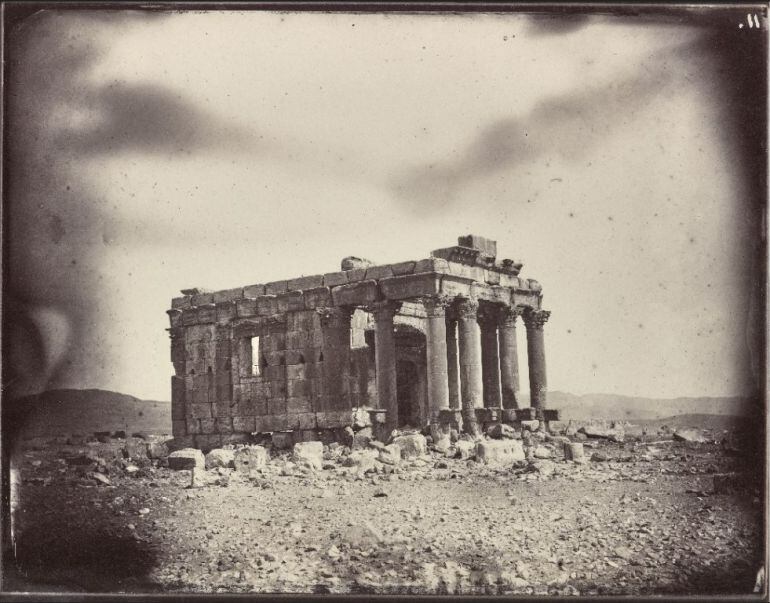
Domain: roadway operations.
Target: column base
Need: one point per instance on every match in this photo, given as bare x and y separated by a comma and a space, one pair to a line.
509, 415
451, 417
526, 414
470, 424
379, 419
487, 417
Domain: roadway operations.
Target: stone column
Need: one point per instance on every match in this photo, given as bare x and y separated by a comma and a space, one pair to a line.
490, 358
436, 354
471, 384
509, 360
534, 321
453, 372
385, 359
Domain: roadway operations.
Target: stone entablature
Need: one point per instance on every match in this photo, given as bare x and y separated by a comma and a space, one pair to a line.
315, 361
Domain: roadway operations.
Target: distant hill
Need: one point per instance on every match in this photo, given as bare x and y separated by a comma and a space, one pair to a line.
628, 408
700, 421
88, 410
85, 411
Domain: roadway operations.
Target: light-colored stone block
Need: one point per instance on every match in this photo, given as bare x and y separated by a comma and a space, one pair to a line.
187, 458
309, 452
499, 451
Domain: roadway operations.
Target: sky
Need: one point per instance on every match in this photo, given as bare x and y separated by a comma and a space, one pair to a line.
611, 154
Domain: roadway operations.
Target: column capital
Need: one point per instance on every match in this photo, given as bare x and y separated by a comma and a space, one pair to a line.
384, 309
508, 315
535, 319
467, 308
436, 305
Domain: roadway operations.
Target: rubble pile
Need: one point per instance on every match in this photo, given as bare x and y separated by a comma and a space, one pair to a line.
569, 509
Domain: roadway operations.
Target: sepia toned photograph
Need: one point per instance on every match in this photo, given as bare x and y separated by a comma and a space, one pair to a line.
384, 299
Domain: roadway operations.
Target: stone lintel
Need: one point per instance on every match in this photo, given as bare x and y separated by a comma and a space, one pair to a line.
527, 299
413, 285
305, 282
431, 265
403, 268
491, 293
456, 286
355, 294
378, 272
333, 279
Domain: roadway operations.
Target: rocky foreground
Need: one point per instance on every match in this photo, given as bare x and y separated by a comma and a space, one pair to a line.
629, 513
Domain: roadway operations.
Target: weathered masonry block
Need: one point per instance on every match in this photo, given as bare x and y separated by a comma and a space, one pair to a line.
423, 343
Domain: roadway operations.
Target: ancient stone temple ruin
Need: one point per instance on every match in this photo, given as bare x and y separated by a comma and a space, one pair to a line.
425, 343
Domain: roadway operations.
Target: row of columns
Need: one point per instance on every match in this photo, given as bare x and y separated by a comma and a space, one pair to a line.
472, 358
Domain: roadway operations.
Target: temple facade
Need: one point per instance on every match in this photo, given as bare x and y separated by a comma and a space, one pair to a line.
426, 343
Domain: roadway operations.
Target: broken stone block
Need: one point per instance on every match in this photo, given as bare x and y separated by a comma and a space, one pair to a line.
249, 459
465, 449
362, 460
531, 425
353, 263
542, 452
360, 440
361, 417
573, 451
689, 435
220, 457
157, 450
135, 449
412, 445
311, 452
499, 431
499, 451
544, 467
390, 454
362, 536
187, 458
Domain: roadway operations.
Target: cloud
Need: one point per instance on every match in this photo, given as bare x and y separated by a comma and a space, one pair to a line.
568, 126
150, 118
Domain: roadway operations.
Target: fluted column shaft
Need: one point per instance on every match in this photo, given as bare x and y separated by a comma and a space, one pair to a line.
509, 360
534, 321
471, 383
